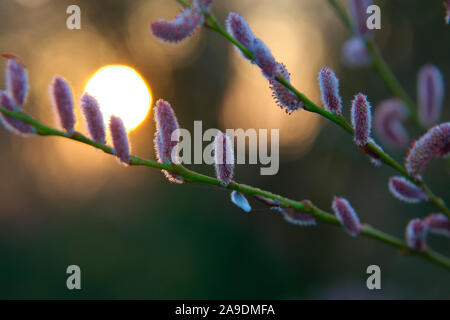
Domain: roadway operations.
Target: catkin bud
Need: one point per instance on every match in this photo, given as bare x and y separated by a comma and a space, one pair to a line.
264, 59
297, 217
238, 199
430, 94
388, 122
94, 118
405, 190
358, 15
120, 139
329, 88
223, 158
416, 233
361, 119
15, 125
438, 223
16, 81
354, 53
435, 143
239, 29
284, 97
62, 102
347, 216
166, 137
179, 28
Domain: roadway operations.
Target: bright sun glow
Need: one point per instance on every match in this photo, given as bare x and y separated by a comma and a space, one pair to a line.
122, 92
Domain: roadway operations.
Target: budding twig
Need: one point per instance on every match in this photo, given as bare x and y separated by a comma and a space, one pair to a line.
192, 176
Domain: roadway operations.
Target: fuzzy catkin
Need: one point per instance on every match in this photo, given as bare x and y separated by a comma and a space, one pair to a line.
16, 79
329, 89
361, 119
223, 158
347, 216
62, 102
94, 118
166, 137
433, 144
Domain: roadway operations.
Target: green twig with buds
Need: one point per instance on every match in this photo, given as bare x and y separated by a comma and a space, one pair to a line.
437, 202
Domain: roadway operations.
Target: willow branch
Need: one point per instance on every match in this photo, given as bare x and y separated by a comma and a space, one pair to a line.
192, 176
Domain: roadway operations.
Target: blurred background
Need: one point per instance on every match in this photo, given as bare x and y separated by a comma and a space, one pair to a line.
133, 234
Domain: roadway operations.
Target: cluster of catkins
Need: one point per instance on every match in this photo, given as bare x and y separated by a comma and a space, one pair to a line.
435, 143
183, 25
166, 137
60, 93
392, 113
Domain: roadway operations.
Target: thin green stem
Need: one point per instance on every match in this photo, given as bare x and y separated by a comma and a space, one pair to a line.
192, 176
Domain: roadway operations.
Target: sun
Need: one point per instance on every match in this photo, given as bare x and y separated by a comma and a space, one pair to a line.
122, 92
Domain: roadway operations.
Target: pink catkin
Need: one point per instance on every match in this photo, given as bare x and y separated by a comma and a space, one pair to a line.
329, 88
120, 139
94, 118
438, 223
179, 28
62, 102
359, 16
361, 119
388, 123
416, 234
433, 144
430, 94
223, 158
15, 125
354, 53
166, 128
347, 216
264, 59
284, 97
405, 190
16, 81
239, 29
